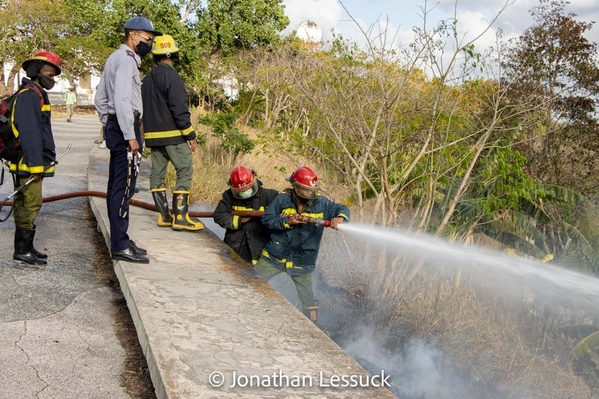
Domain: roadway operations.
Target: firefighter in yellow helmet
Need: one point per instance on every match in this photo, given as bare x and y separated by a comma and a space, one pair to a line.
169, 134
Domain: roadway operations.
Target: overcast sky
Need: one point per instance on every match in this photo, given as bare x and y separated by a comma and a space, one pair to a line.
473, 16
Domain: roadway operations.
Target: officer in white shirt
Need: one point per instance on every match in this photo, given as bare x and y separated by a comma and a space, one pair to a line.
118, 102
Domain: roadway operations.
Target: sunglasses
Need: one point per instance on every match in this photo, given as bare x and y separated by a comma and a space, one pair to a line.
147, 39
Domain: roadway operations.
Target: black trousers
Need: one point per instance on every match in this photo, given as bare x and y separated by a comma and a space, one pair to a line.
118, 174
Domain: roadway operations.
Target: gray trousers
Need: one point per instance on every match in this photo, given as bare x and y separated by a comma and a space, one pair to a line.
180, 156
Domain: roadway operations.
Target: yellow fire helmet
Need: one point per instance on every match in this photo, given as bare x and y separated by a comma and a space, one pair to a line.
164, 45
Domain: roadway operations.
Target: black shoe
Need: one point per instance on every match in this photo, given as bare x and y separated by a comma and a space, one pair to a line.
136, 249
129, 255
29, 258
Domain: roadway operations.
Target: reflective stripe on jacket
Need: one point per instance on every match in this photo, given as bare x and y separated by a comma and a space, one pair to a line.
246, 239
295, 248
166, 119
32, 126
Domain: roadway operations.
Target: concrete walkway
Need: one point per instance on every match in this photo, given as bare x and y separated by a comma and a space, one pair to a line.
204, 318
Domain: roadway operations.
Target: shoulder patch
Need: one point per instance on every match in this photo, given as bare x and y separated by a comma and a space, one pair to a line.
130, 53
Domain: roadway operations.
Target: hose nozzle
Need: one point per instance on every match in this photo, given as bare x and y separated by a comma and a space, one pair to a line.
316, 221
321, 222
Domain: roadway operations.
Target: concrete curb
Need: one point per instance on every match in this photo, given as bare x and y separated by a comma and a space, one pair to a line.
202, 313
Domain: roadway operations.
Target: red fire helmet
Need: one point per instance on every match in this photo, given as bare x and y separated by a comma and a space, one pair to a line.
304, 176
304, 182
241, 178
47, 57
243, 183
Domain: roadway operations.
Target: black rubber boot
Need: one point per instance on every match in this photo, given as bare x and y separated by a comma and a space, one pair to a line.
181, 214
23, 240
311, 312
41, 255
165, 219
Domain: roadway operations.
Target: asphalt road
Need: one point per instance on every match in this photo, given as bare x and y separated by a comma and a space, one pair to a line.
65, 329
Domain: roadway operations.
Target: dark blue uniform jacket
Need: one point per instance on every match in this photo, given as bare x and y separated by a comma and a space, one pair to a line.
295, 248
32, 126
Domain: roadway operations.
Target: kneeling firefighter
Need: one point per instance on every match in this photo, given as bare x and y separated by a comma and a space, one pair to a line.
169, 134
245, 235
37, 152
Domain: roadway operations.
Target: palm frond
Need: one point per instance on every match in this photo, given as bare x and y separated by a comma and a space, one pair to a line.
583, 244
525, 226
533, 210
559, 193
588, 344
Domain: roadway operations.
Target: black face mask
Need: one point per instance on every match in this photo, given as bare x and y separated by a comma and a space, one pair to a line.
143, 48
46, 83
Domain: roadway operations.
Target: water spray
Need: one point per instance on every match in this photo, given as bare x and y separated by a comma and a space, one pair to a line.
546, 278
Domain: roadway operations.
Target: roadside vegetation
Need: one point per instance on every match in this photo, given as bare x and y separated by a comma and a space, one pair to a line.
495, 147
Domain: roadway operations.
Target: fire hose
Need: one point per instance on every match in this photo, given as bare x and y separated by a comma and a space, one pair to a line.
133, 162
28, 182
152, 207
133, 202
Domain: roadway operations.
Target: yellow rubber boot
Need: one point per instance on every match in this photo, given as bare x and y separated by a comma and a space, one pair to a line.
181, 219
165, 218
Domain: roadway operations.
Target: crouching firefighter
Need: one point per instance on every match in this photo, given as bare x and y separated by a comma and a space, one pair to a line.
247, 236
169, 134
295, 240
36, 157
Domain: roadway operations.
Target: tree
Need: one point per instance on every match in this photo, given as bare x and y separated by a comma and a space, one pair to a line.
82, 32
233, 141
26, 27
392, 129
268, 90
224, 25
554, 61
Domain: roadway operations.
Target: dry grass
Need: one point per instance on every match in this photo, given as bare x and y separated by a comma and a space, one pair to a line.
490, 335
212, 166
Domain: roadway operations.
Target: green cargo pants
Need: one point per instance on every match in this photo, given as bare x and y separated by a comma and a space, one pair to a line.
27, 203
303, 283
180, 156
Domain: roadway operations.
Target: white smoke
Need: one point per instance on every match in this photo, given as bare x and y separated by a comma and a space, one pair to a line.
420, 371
